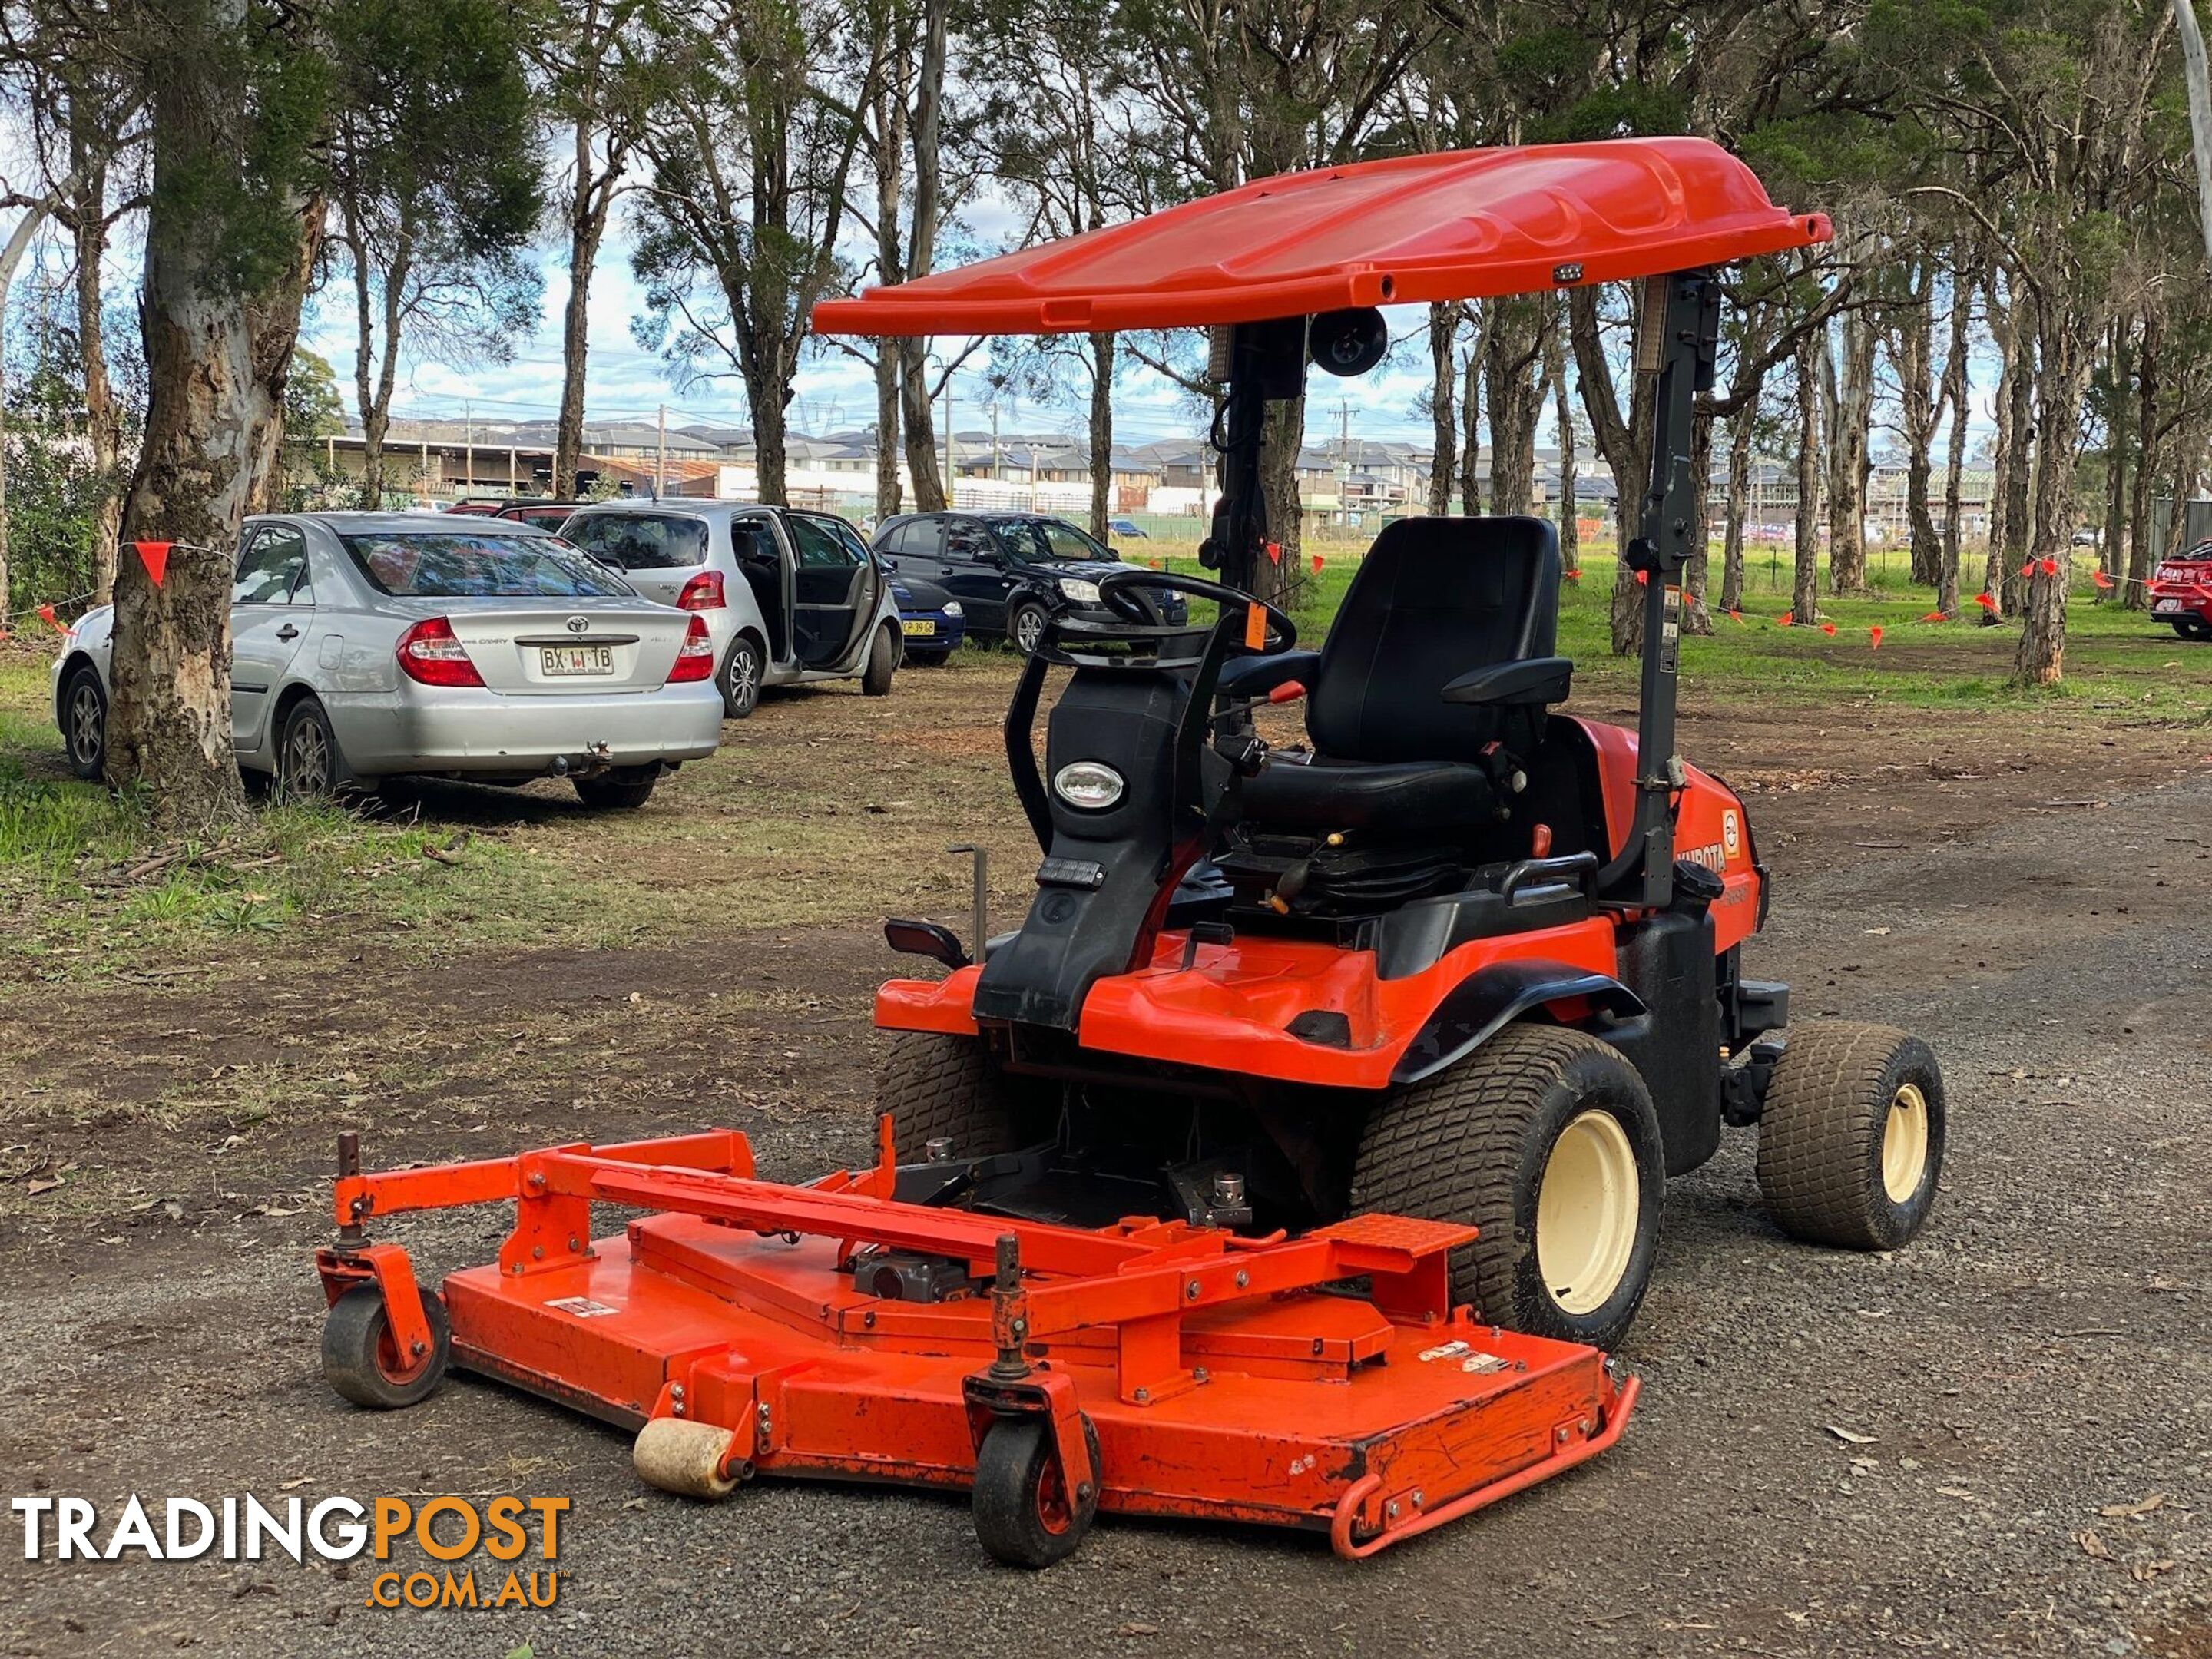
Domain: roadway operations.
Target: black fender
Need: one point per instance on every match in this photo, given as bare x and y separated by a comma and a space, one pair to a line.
1492, 997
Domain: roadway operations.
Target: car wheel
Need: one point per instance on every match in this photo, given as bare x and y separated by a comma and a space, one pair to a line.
2192, 628
623, 788
1545, 1141
741, 678
883, 663
1025, 626
84, 723
308, 766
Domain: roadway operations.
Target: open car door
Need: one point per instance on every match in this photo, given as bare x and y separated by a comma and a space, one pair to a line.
835, 588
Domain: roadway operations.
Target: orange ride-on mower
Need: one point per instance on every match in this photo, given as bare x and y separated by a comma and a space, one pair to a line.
1300, 1156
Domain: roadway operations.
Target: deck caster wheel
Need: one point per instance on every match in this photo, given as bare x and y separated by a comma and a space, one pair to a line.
1024, 1517
364, 1365
1851, 1143
691, 1460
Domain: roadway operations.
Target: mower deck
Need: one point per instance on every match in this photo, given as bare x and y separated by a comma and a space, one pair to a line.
1208, 1375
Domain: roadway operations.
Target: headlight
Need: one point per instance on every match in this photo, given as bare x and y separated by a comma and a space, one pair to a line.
1091, 785
952, 608
1083, 592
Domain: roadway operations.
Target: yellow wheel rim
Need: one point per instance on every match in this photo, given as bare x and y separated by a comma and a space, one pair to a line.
1905, 1144
1586, 1212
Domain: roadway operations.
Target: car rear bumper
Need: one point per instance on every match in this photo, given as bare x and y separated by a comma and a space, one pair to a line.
466, 730
2171, 599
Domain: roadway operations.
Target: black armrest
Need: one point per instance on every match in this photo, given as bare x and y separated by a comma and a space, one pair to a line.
1255, 676
1542, 680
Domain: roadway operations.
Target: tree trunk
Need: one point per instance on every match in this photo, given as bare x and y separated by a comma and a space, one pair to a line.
1917, 403
1444, 403
589, 201
1625, 442
169, 721
1470, 428
767, 396
1805, 588
2111, 537
103, 417
1954, 460
2129, 566
1569, 525
2010, 586
274, 319
888, 491
2060, 386
1696, 617
918, 419
1513, 385
1280, 441
1101, 433
1853, 414
1739, 504
891, 139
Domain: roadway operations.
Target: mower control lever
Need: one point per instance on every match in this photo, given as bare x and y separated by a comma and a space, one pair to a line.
1578, 865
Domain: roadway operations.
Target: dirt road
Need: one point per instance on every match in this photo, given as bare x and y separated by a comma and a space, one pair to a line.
1997, 1441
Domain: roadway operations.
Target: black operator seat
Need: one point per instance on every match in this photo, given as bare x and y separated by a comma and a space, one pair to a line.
1436, 671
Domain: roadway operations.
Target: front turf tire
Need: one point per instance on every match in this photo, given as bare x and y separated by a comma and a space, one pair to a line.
1544, 1139
938, 1087
1850, 1142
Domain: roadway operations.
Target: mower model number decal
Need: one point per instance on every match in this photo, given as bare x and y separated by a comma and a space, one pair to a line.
1731, 832
583, 1307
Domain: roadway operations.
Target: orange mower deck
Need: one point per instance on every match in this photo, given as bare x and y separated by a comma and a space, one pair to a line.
1150, 1368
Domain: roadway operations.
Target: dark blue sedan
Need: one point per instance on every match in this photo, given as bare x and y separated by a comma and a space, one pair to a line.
931, 619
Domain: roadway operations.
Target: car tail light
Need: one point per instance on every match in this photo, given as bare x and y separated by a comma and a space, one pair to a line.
694, 658
702, 593
429, 653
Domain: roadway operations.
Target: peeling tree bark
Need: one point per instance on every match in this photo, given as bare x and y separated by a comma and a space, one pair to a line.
1444, 403
2129, 566
1623, 439
1739, 505
1954, 460
1805, 588
1851, 416
1555, 364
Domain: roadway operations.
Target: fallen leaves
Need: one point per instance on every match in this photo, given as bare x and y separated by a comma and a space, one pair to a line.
1849, 1436
2134, 1511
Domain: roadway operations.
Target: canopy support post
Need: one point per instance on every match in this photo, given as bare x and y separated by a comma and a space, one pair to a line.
1679, 341
1266, 362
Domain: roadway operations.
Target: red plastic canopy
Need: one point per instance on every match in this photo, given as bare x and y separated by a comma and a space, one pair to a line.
1466, 224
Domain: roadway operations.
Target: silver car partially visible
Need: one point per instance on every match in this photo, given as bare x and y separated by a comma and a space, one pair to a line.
365, 645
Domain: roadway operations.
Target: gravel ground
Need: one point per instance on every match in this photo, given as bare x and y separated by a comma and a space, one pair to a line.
2039, 1360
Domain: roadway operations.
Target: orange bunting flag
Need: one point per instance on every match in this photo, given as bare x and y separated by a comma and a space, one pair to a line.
52, 621
1736, 617
2049, 566
1316, 564
1873, 637
1986, 603
1643, 578
1935, 616
2100, 578
155, 556
2027, 569
1829, 628
1786, 619
1274, 552
1574, 575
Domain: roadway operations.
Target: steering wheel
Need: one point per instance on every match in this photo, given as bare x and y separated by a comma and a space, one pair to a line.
1114, 594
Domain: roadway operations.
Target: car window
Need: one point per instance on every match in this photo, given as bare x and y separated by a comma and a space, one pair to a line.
1022, 538
820, 547
272, 566
641, 541
966, 539
1066, 541
753, 540
924, 538
465, 564
855, 543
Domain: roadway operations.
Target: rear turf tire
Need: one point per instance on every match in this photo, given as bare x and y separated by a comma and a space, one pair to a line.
883, 663
1850, 1142
940, 1087
1544, 1139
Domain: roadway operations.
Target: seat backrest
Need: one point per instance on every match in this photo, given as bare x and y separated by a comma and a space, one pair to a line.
1434, 599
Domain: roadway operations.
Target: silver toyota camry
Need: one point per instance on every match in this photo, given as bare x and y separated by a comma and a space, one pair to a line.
368, 644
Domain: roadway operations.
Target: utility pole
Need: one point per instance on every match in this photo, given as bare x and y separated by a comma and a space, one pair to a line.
998, 455
661, 464
1343, 459
951, 466
468, 447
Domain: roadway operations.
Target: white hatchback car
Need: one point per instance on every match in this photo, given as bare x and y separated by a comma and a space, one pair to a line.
789, 597
368, 644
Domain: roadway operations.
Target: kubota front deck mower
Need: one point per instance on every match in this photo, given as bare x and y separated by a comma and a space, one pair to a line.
1300, 1155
